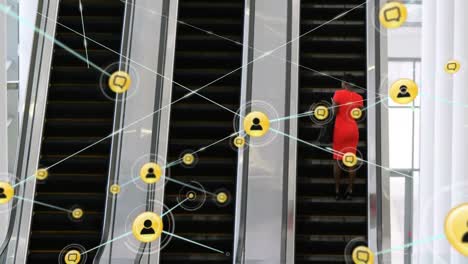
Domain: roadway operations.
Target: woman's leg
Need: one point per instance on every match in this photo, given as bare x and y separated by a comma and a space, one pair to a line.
352, 175
337, 173
349, 192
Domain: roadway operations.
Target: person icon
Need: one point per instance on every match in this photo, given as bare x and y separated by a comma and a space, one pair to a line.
256, 124
465, 236
150, 174
2, 193
403, 92
147, 229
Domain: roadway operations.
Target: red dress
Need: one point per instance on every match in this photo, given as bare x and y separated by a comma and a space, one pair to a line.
345, 132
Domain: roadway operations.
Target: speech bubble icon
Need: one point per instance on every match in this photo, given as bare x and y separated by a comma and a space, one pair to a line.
363, 256
451, 66
321, 112
72, 257
392, 14
119, 82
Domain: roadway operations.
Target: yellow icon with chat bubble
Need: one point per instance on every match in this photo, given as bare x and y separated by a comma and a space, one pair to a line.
321, 112
452, 66
363, 255
349, 159
393, 15
119, 82
72, 257
356, 113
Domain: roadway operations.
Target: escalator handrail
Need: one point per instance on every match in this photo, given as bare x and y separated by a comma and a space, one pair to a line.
41, 58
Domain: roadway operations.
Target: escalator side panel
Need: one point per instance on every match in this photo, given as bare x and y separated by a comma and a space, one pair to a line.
31, 132
77, 115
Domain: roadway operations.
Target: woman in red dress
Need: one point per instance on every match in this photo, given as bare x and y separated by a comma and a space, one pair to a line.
345, 133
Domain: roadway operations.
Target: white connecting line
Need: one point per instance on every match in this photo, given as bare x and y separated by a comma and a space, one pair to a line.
332, 151
253, 48
173, 163
44, 204
265, 54
309, 113
85, 42
164, 232
153, 71
187, 95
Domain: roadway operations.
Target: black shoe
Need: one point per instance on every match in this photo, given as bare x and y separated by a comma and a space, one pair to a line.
338, 196
348, 195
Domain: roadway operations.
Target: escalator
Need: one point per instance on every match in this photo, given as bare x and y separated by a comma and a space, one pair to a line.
195, 123
77, 115
325, 226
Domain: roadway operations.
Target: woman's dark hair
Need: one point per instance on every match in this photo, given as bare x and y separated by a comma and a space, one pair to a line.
348, 80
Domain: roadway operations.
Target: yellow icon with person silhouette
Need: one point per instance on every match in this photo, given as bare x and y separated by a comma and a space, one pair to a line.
119, 82
147, 227
150, 173
6, 192
456, 228
256, 124
403, 91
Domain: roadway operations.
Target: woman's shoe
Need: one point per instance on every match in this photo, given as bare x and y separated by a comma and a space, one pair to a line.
338, 196
348, 195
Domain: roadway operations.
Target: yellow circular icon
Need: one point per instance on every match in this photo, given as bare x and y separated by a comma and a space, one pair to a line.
349, 159
239, 141
42, 174
77, 213
363, 255
191, 195
456, 228
452, 67
150, 172
114, 189
356, 113
72, 257
188, 159
321, 112
6, 192
404, 91
393, 15
119, 82
256, 124
147, 227
222, 197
